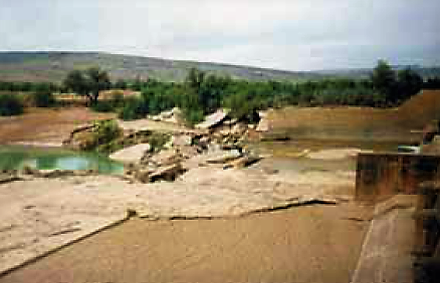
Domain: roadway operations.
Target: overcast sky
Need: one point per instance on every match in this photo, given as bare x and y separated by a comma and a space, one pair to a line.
284, 34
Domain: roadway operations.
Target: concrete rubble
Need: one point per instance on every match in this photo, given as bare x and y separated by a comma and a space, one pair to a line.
213, 120
172, 116
132, 154
220, 143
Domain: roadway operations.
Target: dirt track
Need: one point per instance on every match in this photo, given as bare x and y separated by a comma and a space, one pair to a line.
308, 244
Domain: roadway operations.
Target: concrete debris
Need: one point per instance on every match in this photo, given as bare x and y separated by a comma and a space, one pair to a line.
35, 173
132, 154
263, 125
213, 120
182, 140
167, 173
81, 138
163, 158
223, 156
8, 177
172, 116
242, 162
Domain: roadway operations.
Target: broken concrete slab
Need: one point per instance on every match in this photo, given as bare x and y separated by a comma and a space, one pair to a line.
223, 156
163, 158
39, 215
167, 173
132, 154
213, 120
243, 162
181, 140
170, 116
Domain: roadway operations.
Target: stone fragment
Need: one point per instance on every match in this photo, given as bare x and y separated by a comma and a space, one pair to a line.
167, 173
132, 154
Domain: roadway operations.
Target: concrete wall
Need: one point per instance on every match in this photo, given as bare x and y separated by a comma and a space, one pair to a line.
381, 175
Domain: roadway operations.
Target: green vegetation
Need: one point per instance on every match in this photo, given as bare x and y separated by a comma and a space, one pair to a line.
43, 96
395, 86
103, 136
113, 104
10, 105
107, 137
157, 140
89, 83
106, 131
134, 108
201, 93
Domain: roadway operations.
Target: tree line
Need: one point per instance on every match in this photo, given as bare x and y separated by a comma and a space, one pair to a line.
202, 93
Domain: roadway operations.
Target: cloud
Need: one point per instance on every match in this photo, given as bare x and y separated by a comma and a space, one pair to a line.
286, 34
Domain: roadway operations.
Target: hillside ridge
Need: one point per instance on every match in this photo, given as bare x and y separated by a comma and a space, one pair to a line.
37, 66
53, 66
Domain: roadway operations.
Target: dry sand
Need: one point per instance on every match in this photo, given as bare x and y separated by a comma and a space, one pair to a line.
305, 244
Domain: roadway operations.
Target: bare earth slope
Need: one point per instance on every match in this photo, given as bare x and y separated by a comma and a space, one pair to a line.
45, 126
356, 123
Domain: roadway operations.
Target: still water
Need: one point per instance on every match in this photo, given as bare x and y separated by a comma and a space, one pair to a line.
16, 157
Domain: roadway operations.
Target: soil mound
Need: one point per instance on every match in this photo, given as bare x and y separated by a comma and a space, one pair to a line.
402, 124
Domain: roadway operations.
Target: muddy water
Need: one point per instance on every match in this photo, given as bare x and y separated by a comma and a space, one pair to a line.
292, 154
16, 157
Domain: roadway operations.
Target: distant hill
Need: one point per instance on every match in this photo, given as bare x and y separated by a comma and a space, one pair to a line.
53, 66
364, 73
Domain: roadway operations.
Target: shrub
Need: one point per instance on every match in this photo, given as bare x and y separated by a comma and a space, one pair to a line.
193, 116
106, 131
104, 135
134, 108
243, 106
117, 98
103, 106
10, 105
157, 141
112, 104
43, 99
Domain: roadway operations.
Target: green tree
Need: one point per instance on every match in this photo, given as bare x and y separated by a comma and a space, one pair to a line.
120, 84
383, 79
409, 83
88, 83
10, 105
243, 105
195, 79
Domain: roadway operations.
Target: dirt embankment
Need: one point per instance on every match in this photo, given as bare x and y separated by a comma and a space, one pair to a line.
402, 124
45, 126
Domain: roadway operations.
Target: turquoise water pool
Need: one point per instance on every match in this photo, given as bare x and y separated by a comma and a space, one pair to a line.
16, 157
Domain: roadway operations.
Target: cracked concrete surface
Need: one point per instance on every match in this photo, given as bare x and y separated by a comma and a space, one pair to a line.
40, 215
